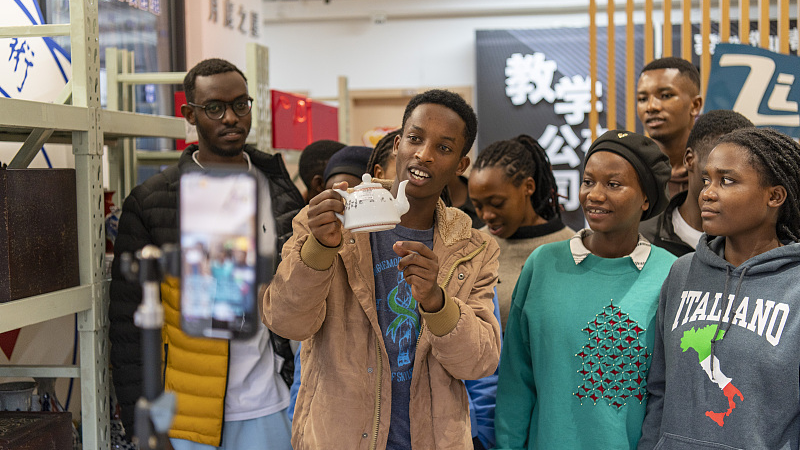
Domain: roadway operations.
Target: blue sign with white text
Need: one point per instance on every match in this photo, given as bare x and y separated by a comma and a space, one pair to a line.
757, 83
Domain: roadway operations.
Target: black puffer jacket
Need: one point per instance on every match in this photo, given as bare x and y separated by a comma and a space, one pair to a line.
150, 216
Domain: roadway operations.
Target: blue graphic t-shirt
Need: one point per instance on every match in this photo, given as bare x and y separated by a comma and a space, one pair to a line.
400, 324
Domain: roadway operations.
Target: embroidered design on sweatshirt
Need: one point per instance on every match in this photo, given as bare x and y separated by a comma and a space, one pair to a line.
613, 362
700, 341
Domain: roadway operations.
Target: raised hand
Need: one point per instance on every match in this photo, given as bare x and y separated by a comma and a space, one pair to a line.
420, 267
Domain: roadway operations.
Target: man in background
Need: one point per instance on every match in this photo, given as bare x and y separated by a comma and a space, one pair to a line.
230, 394
668, 102
312, 164
348, 164
679, 227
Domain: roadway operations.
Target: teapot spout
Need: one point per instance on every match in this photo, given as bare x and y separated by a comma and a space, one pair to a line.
401, 202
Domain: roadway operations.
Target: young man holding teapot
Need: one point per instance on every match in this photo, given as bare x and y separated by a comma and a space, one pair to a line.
392, 321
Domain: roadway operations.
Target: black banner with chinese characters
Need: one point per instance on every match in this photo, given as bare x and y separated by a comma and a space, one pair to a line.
536, 82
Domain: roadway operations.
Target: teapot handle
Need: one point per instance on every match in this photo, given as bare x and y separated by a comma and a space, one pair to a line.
345, 195
340, 217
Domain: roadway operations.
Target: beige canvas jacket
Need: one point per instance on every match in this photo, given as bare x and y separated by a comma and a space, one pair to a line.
326, 298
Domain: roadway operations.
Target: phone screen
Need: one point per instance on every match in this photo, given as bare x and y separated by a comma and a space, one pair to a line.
219, 254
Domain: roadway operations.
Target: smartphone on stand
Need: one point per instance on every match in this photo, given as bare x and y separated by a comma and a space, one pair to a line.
227, 239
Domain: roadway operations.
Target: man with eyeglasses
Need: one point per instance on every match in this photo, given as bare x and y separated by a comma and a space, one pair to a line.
230, 394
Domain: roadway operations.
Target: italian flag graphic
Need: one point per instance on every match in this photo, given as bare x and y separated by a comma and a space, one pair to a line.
700, 342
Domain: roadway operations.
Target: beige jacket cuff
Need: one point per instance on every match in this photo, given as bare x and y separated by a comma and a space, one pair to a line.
443, 321
316, 255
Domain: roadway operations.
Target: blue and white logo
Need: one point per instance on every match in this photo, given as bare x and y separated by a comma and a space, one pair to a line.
757, 83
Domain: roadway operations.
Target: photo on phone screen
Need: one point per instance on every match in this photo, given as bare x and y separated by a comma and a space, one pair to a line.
219, 234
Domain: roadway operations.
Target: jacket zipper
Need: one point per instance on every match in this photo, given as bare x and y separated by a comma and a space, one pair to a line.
377, 416
463, 259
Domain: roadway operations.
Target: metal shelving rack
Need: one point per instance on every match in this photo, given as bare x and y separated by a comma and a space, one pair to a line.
87, 127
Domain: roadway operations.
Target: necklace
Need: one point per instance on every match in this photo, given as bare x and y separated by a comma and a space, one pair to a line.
246, 158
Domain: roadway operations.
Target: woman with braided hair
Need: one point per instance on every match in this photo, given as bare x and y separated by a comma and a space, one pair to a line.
381, 162
514, 193
725, 363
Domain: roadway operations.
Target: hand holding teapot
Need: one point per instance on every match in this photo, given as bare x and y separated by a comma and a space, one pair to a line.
371, 207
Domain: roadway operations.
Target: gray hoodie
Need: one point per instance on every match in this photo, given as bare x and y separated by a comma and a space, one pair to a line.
741, 391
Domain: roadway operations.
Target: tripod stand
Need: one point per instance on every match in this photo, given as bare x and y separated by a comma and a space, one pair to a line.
155, 408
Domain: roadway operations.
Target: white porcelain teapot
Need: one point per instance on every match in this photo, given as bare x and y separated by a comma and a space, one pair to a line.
370, 207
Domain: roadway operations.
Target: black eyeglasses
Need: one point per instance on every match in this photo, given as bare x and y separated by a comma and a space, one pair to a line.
215, 110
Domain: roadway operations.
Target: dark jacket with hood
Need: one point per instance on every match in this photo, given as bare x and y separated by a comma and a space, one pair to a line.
150, 216
742, 389
660, 232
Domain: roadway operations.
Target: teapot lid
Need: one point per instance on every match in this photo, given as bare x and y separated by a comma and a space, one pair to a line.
366, 182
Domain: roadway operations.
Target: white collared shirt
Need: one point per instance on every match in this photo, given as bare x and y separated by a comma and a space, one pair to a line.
579, 251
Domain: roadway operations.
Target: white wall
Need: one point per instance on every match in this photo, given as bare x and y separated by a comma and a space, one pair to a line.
421, 44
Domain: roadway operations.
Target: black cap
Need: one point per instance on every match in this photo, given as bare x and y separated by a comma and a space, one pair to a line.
651, 165
352, 160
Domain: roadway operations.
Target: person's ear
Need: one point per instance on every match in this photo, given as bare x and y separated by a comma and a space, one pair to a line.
697, 106
646, 204
777, 196
188, 112
317, 185
462, 166
396, 144
689, 159
530, 186
378, 171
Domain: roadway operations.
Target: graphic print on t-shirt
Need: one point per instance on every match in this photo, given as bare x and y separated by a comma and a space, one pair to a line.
613, 362
400, 324
700, 341
404, 328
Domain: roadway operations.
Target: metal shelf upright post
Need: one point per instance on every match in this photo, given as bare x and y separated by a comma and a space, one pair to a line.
87, 146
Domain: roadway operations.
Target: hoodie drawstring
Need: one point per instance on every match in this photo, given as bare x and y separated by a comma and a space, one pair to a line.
723, 312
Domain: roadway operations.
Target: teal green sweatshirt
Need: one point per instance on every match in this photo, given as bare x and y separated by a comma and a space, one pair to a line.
576, 351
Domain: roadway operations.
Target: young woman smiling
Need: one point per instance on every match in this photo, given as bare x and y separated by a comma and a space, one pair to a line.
577, 344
